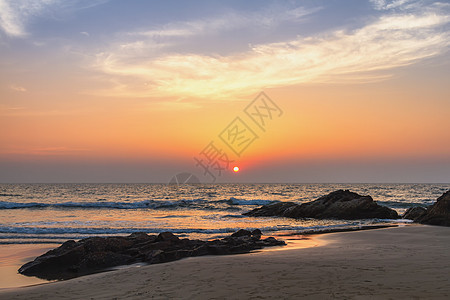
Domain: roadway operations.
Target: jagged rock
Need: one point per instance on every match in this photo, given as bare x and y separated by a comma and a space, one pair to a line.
96, 254
166, 236
269, 240
241, 232
257, 233
280, 209
336, 205
438, 213
414, 213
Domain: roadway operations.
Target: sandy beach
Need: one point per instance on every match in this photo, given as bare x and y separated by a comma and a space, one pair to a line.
410, 262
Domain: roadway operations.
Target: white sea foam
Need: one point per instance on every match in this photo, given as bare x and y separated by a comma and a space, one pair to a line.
147, 204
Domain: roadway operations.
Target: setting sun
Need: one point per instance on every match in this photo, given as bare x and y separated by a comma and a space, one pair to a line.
236, 169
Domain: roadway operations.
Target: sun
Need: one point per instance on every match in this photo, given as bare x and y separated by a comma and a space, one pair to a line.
236, 169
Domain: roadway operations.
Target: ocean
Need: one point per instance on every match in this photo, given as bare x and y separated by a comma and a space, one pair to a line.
54, 213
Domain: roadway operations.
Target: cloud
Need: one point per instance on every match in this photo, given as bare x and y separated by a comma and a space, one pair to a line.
18, 88
85, 33
44, 151
8, 20
16, 14
230, 21
57, 150
363, 54
391, 4
407, 5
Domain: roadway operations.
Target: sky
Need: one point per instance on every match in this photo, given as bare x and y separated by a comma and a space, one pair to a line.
289, 91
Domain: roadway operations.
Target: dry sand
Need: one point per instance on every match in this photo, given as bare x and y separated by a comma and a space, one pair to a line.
411, 262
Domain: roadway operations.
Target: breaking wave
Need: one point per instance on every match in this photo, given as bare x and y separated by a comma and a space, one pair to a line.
147, 204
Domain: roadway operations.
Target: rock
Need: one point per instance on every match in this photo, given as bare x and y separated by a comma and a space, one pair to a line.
167, 236
438, 213
154, 256
218, 249
272, 241
96, 254
336, 205
280, 209
141, 236
87, 256
241, 232
414, 213
200, 250
257, 233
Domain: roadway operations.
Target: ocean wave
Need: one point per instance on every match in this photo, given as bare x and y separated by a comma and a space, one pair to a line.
147, 204
28, 242
400, 204
235, 201
9, 195
233, 216
98, 204
45, 231
104, 230
37, 237
399, 221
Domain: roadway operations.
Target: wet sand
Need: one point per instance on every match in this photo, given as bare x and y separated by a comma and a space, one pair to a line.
12, 257
410, 262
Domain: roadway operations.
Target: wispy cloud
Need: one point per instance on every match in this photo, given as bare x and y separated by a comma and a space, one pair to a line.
226, 22
144, 44
358, 55
392, 4
17, 88
29, 111
56, 150
8, 20
16, 14
43, 151
408, 5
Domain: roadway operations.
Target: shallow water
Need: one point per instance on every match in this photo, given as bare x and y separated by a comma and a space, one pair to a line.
12, 257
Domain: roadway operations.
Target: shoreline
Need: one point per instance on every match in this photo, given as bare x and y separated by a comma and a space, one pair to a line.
407, 261
345, 229
13, 255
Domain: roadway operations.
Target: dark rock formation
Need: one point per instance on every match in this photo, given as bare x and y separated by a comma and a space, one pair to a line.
413, 213
243, 232
96, 254
336, 205
438, 213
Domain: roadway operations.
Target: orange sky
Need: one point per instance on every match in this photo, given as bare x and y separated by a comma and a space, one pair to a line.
372, 121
